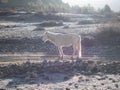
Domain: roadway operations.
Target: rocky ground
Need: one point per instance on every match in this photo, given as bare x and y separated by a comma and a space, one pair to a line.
60, 75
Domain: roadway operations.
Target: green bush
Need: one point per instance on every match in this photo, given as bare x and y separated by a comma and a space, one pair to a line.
109, 34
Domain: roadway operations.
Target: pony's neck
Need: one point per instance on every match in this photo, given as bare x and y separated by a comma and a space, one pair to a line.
51, 37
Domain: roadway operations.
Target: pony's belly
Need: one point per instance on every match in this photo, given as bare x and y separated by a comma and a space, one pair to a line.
65, 44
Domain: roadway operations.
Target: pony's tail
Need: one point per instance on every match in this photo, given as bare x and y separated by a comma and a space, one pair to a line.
80, 48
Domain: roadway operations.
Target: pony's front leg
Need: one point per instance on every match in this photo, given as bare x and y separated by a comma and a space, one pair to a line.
74, 52
60, 52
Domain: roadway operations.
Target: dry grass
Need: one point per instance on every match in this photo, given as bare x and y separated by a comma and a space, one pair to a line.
109, 34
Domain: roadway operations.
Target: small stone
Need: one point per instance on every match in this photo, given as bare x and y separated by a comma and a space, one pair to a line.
2, 89
67, 89
80, 78
38, 85
116, 85
100, 74
110, 78
70, 84
77, 74
42, 82
87, 79
113, 81
94, 85
76, 85
109, 88
79, 81
15, 86
60, 89
66, 77
102, 78
102, 84
18, 89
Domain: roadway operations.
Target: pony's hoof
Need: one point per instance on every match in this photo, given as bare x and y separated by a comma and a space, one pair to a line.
72, 58
79, 58
60, 58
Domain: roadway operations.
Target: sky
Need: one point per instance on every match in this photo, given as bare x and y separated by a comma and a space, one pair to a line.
114, 4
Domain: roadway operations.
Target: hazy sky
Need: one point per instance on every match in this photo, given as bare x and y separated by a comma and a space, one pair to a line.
114, 4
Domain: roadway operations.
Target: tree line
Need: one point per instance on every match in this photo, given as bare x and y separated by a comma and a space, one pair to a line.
41, 5
50, 6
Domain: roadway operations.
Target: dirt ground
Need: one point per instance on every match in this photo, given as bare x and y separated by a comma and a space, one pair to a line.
20, 42
59, 75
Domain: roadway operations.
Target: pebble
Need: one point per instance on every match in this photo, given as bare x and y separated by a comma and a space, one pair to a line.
2, 89
110, 78
116, 85
18, 89
42, 82
87, 79
70, 84
76, 86
102, 84
58, 88
79, 81
38, 85
67, 89
94, 86
102, 78
66, 77
80, 77
109, 88
113, 81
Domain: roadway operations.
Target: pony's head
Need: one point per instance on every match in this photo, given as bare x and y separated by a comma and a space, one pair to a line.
44, 37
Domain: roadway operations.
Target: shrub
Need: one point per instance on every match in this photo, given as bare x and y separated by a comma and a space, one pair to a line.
109, 34
51, 23
86, 22
88, 41
39, 28
6, 12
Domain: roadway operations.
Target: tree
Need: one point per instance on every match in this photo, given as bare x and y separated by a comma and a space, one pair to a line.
39, 5
107, 9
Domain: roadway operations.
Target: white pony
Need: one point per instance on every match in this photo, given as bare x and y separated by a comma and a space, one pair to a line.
64, 40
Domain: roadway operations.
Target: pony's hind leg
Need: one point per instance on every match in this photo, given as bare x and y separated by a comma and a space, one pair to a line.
60, 52
79, 51
74, 51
